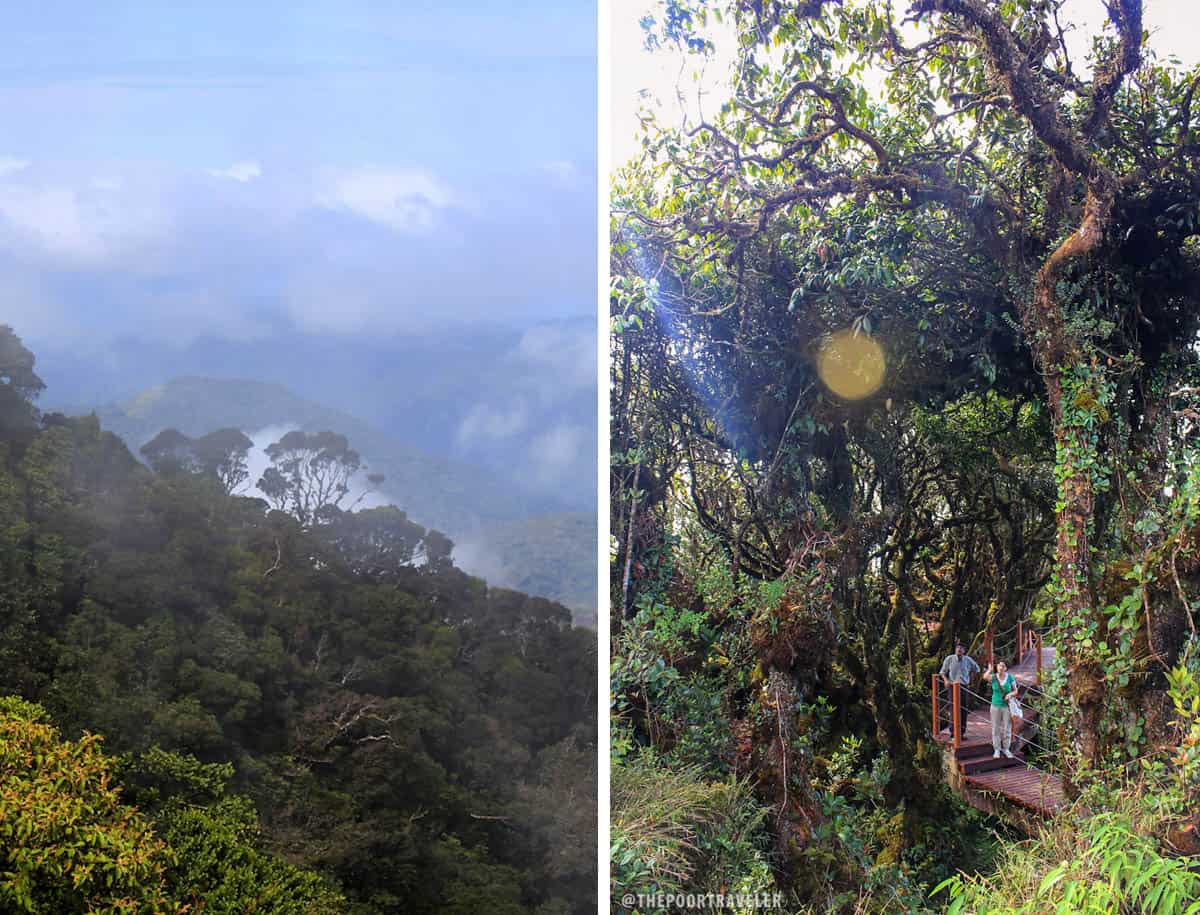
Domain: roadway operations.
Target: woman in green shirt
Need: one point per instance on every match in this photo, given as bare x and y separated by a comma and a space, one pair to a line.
1004, 687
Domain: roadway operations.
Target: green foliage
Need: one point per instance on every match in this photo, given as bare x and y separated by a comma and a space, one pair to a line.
1104, 864
219, 455
371, 708
67, 842
674, 831
19, 384
74, 843
683, 710
1184, 690
860, 853
220, 868
215, 837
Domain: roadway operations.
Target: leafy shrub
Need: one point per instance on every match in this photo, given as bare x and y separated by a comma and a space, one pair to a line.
1105, 864
67, 842
214, 836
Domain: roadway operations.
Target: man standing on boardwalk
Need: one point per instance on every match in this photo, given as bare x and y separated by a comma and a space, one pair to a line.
959, 668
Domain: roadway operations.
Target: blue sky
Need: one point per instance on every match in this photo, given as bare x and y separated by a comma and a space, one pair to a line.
171, 171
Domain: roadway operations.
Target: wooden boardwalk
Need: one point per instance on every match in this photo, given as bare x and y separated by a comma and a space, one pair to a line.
1018, 782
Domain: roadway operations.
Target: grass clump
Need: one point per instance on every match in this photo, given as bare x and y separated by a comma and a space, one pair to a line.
673, 831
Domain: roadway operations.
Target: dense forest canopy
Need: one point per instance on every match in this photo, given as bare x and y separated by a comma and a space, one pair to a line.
904, 349
308, 710
513, 534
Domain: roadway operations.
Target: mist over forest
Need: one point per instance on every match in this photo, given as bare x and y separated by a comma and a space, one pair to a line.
515, 399
228, 694
487, 433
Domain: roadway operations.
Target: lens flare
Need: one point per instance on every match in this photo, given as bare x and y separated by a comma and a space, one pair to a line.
851, 364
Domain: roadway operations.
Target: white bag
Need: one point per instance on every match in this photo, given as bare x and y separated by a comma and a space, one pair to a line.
1014, 706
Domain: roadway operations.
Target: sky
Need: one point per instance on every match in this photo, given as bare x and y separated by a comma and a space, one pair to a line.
179, 171
645, 79
375, 204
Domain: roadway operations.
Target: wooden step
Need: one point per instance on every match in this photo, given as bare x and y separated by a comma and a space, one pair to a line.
1035, 790
975, 748
989, 763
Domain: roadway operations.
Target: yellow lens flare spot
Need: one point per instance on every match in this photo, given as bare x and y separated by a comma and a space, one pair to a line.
851, 364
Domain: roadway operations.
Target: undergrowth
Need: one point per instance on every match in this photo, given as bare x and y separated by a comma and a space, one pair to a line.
1107, 863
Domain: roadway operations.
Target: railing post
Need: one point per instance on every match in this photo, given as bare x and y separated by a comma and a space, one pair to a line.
937, 726
991, 641
954, 724
1020, 641
1039, 659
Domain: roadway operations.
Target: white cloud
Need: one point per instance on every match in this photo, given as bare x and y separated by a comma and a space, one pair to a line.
51, 215
319, 303
557, 451
406, 200
10, 165
175, 254
239, 171
89, 223
568, 352
484, 423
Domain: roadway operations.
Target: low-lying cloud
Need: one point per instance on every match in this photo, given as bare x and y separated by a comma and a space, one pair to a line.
557, 451
252, 248
569, 351
545, 411
363, 493
485, 424
405, 200
239, 171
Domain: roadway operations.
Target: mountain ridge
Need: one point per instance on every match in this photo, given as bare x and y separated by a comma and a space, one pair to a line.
496, 520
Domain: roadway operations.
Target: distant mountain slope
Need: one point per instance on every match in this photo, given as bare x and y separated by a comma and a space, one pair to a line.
509, 534
549, 555
488, 395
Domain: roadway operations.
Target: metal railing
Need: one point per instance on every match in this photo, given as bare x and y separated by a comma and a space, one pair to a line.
1015, 642
943, 705
998, 646
1026, 709
949, 702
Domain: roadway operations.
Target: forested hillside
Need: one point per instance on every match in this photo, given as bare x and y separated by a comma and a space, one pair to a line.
302, 714
551, 555
502, 523
904, 351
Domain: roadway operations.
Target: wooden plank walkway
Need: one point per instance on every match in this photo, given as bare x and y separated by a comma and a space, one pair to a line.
1017, 781
1041, 792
